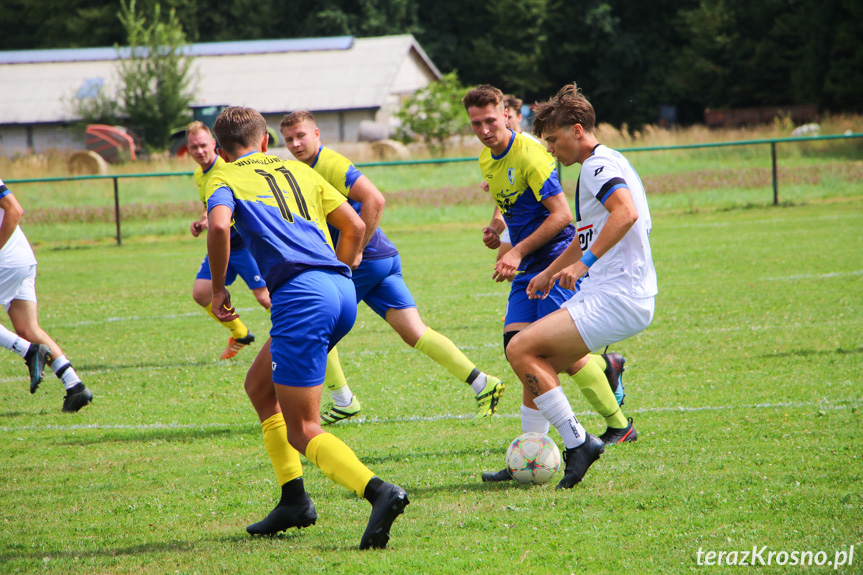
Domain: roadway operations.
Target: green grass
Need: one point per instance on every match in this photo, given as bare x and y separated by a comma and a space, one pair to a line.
746, 392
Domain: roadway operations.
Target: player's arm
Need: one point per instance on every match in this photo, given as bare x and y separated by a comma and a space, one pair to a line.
352, 230
12, 215
219, 251
491, 233
572, 264
559, 216
366, 193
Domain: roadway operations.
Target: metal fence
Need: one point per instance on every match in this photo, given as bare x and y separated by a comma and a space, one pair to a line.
772, 142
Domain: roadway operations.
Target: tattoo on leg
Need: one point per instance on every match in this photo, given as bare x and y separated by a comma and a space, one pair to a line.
532, 384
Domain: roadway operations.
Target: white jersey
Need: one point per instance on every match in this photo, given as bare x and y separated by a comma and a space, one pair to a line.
628, 266
17, 252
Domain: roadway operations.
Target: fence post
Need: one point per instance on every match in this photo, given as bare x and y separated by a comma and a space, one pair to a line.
117, 211
775, 175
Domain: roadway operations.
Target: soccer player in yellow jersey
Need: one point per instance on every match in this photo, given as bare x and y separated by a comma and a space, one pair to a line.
202, 149
281, 209
378, 279
523, 181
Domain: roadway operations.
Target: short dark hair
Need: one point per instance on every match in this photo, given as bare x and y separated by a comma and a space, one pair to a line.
510, 101
567, 108
296, 118
482, 96
239, 127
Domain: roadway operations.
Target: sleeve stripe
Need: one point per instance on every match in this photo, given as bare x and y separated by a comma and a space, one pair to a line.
4, 190
609, 187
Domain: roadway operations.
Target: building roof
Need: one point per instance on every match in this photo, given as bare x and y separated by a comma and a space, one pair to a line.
272, 76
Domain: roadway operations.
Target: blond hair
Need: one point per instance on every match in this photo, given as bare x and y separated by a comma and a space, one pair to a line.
197, 126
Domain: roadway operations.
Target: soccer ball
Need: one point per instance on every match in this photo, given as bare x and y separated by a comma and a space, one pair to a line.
532, 458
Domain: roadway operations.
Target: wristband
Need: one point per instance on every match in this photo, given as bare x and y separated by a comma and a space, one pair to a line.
588, 258
220, 293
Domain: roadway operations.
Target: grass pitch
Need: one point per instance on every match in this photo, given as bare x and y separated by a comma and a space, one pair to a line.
746, 392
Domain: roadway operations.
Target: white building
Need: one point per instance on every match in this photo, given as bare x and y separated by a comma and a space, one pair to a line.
344, 81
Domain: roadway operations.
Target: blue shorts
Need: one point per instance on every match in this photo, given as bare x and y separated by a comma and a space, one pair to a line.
520, 309
379, 283
241, 262
311, 312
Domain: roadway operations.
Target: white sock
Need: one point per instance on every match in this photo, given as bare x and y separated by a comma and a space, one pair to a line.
64, 370
342, 396
555, 407
478, 384
533, 420
10, 340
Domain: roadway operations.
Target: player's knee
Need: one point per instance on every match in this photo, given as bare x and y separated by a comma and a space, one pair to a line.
507, 337
201, 298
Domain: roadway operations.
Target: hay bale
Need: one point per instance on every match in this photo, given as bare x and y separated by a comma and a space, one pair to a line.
390, 150
87, 162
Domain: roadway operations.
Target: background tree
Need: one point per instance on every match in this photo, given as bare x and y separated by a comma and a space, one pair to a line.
156, 80
628, 56
434, 114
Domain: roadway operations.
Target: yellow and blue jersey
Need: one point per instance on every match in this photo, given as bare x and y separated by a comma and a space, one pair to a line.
280, 209
202, 176
519, 180
341, 174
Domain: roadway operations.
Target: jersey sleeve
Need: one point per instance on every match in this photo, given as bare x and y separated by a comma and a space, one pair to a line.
541, 175
601, 178
330, 196
221, 196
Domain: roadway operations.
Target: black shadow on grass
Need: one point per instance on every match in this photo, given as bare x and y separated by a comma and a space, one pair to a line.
150, 435
400, 456
811, 352
173, 546
162, 547
138, 365
477, 487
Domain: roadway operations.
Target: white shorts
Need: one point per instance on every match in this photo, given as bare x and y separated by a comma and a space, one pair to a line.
603, 319
17, 283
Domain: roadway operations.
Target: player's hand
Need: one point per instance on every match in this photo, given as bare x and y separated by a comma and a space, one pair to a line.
539, 285
568, 277
484, 186
490, 238
198, 227
357, 261
222, 308
507, 266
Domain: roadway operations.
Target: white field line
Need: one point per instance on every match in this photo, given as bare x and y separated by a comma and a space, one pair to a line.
815, 276
444, 417
738, 223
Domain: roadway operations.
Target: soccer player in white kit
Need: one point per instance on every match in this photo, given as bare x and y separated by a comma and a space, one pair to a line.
615, 300
18, 296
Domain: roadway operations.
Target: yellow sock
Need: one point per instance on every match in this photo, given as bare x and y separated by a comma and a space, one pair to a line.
594, 386
237, 327
335, 377
445, 353
338, 462
600, 361
285, 459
